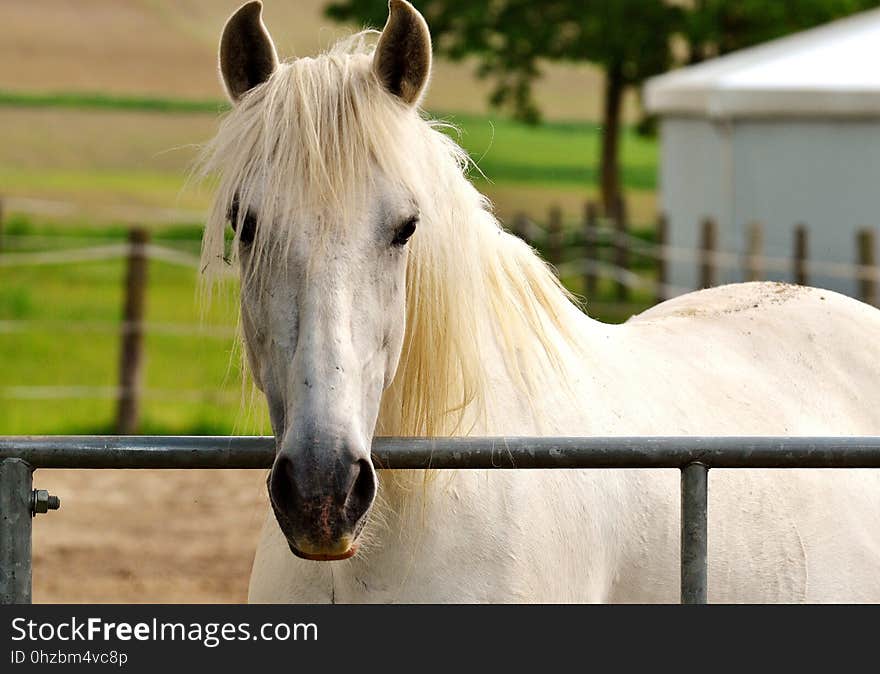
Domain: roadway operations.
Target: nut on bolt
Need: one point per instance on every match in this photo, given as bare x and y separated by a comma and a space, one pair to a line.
42, 501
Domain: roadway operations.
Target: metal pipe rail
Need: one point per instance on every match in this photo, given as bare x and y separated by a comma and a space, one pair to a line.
694, 456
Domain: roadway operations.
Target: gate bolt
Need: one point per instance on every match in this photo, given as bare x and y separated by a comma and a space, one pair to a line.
42, 501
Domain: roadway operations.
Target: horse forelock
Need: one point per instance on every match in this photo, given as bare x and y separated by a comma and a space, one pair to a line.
306, 143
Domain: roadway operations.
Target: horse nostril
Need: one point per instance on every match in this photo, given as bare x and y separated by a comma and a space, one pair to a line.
363, 491
282, 485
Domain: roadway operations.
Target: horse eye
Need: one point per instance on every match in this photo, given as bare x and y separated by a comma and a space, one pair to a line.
249, 226
405, 231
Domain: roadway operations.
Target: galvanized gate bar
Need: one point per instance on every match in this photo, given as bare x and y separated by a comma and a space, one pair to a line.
140, 451
694, 533
628, 452
15, 531
461, 452
19, 455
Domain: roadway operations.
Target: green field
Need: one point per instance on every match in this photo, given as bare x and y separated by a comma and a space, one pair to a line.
508, 151
552, 154
106, 154
59, 328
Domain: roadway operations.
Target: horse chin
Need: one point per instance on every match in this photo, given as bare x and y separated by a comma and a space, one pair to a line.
324, 557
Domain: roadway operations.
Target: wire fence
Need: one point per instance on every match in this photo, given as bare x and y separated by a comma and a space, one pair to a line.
603, 248
21, 251
14, 326
98, 254
719, 259
116, 393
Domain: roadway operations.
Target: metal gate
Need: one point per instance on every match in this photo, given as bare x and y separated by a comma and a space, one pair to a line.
694, 456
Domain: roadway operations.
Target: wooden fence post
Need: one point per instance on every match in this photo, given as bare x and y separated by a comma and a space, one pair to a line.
868, 263
662, 242
131, 353
521, 226
754, 249
801, 252
554, 236
708, 245
621, 245
591, 247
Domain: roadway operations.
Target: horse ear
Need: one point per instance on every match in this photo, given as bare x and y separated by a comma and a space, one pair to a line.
403, 56
247, 53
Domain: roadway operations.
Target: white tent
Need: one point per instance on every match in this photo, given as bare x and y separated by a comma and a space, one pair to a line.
783, 133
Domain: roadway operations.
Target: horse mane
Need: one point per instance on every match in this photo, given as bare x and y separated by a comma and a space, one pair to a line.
308, 141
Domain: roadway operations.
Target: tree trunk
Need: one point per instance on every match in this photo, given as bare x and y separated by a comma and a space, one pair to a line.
699, 53
609, 165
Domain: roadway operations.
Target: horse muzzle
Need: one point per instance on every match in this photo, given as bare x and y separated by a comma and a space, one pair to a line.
321, 502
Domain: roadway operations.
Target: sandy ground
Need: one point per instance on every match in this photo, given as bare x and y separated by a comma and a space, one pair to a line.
148, 536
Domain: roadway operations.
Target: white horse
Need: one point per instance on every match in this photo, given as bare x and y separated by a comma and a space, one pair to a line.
380, 296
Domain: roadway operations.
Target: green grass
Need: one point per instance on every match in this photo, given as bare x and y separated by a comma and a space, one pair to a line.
551, 154
102, 101
96, 189
72, 233
69, 340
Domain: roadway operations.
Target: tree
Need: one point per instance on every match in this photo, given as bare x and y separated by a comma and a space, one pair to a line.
630, 40
714, 27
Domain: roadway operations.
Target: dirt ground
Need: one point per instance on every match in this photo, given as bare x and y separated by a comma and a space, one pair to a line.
148, 536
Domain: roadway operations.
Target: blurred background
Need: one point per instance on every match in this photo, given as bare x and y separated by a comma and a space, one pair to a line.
637, 185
